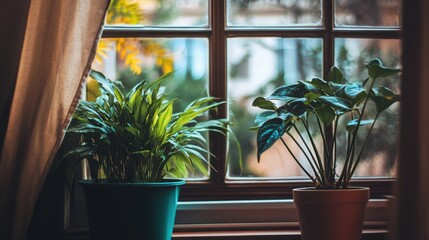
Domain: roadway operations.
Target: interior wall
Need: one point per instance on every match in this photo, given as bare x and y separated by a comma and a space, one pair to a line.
412, 221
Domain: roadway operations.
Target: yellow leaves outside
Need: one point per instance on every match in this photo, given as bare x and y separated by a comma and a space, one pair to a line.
92, 89
130, 52
124, 12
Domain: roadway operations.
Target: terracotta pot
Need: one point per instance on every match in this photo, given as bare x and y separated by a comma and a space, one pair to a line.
331, 214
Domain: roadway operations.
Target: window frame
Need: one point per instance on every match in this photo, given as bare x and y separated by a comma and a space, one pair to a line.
218, 187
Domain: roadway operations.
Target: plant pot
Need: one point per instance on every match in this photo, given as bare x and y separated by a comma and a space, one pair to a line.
335, 214
131, 210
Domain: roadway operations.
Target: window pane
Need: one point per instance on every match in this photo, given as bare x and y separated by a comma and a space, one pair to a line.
172, 13
367, 13
351, 56
274, 13
256, 66
131, 60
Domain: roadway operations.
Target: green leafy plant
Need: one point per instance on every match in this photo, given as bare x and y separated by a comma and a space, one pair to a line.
313, 113
137, 137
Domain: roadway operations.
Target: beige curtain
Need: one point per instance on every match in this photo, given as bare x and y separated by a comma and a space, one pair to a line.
412, 220
59, 45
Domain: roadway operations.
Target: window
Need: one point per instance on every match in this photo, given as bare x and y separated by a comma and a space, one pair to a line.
238, 49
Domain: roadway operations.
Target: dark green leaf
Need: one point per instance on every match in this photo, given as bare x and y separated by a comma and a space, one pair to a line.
310, 87
288, 92
335, 75
269, 133
264, 104
264, 116
353, 92
337, 88
297, 107
351, 125
376, 69
383, 98
311, 97
336, 103
322, 85
326, 115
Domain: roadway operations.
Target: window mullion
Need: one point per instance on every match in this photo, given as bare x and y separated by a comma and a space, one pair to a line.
217, 85
328, 41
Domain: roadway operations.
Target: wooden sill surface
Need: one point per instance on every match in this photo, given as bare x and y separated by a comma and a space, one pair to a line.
370, 234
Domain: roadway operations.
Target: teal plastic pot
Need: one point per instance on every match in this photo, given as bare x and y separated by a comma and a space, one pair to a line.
131, 210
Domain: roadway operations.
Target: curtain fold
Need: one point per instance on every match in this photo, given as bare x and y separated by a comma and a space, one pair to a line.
10, 53
59, 45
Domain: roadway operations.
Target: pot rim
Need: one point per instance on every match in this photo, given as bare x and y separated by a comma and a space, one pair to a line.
104, 182
310, 195
314, 189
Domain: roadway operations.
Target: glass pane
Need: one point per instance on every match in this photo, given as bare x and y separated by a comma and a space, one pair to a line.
367, 13
171, 13
274, 13
256, 66
351, 55
131, 60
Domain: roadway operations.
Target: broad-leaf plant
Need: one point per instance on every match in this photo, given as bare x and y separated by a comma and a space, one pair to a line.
311, 114
137, 137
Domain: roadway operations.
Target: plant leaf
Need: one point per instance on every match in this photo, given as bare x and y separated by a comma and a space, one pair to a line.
353, 92
264, 116
383, 98
335, 75
326, 114
352, 124
264, 104
288, 92
322, 85
376, 69
269, 133
336, 102
297, 107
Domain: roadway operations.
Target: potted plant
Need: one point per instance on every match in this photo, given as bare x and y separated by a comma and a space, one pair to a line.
133, 142
311, 116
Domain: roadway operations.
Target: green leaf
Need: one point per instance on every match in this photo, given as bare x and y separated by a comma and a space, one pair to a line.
322, 85
326, 114
311, 97
264, 104
310, 87
268, 134
353, 92
376, 69
335, 75
351, 125
336, 102
264, 116
288, 92
297, 107
337, 88
383, 98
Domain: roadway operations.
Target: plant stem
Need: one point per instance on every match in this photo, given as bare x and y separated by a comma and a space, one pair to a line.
354, 136
334, 142
343, 172
328, 163
316, 151
363, 146
308, 148
306, 156
297, 161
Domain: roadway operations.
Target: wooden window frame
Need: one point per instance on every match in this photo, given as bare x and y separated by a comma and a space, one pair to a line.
218, 187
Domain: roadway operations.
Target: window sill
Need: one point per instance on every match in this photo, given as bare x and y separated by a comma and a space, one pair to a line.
372, 234
273, 219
